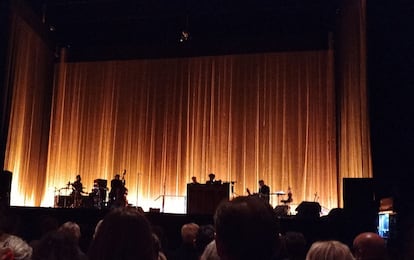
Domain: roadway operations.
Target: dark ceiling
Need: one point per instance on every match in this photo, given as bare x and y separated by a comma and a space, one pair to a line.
107, 29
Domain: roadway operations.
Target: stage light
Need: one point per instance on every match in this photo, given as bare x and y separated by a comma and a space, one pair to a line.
184, 36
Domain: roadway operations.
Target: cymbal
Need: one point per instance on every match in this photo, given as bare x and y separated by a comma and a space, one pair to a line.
280, 192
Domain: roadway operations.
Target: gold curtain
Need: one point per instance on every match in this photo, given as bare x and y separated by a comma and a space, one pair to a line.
243, 117
270, 116
29, 65
354, 145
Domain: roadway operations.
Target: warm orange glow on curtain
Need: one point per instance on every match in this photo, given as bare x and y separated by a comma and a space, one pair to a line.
354, 151
243, 117
266, 116
30, 62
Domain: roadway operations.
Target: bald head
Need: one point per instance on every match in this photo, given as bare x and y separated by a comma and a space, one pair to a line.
369, 246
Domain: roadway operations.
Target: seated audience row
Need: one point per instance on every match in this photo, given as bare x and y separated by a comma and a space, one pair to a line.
244, 228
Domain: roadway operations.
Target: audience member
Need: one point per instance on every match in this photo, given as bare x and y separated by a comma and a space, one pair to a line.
13, 247
210, 252
47, 223
163, 239
57, 245
43, 225
329, 250
125, 234
369, 246
157, 247
246, 228
72, 231
11, 223
204, 236
98, 225
338, 226
294, 246
187, 249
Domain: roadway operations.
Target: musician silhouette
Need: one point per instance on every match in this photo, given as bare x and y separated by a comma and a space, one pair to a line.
212, 179
263, 192
77, 190
117, 195
194, 180
289, 199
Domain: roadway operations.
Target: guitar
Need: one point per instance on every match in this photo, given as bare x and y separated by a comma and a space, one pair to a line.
123, 176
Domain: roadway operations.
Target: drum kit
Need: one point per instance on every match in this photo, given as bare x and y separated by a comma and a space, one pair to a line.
68, 197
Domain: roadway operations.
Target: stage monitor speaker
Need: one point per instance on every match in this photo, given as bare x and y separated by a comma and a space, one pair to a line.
359, 194
308, 209
5, 188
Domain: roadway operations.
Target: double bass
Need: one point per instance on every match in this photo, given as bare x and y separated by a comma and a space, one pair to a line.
118, 193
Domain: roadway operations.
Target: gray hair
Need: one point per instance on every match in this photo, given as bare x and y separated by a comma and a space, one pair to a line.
329, 250
21, 250
71, 229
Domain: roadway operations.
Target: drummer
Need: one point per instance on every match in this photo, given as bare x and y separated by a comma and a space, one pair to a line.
77, 185
77, 190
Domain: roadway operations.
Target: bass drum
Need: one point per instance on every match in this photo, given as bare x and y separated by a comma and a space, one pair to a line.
63, 201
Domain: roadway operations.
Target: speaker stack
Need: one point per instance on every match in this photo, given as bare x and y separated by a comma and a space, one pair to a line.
359, 194
360, 203
308, 209
5, 188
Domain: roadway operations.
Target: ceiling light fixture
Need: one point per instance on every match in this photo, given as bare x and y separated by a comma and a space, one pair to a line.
185, 33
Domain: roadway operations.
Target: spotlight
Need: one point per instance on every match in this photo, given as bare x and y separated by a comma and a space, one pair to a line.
184, 36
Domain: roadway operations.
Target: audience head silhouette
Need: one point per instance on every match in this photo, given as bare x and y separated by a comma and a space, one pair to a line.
71, 229
294, 245
246, 228
57, 245
329, 250
204, 236
189, 232
369, 246
124, 234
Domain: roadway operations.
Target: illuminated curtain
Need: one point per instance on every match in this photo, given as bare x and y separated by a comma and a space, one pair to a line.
30, 67
354, 145
243, 117
270, 116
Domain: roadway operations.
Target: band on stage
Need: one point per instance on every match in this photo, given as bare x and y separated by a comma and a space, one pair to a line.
117, 196
97, 197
